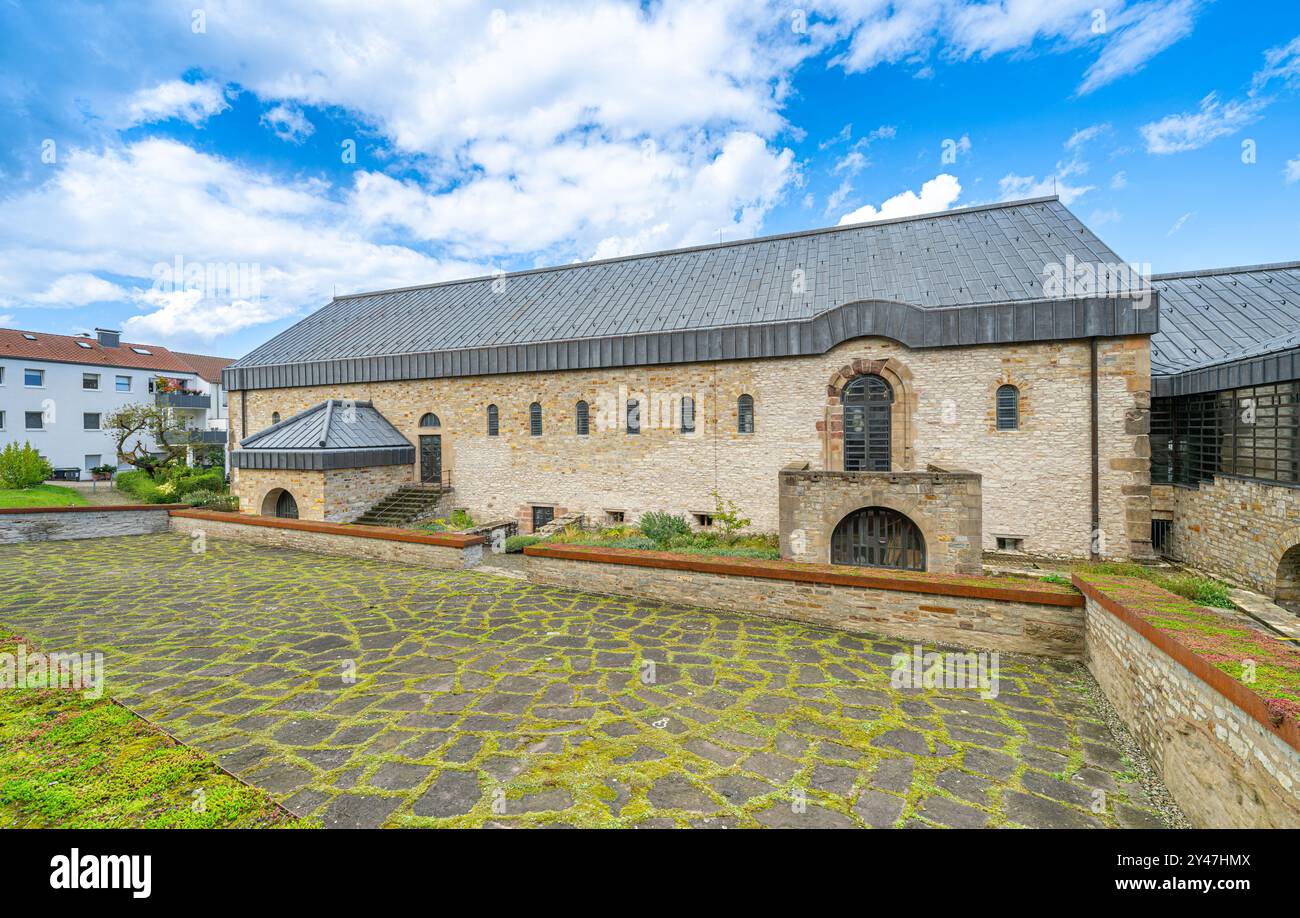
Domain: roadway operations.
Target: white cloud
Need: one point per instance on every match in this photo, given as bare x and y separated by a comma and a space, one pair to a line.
1119, 181
1142, 32
192, 102
1084, 135
1179, 223
125, 210
939, 193
1280, 63
1102, 217
1126, 35
288, 123
1193, 130
1292, 171
1013, 187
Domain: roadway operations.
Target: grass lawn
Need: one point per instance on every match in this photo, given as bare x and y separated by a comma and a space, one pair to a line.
72, 762
44, 495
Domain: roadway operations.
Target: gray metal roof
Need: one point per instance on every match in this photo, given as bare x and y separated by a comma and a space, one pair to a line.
334, 434
1227, 328
958, 277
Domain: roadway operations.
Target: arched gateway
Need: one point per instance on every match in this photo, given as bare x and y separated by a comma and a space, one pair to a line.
878, 537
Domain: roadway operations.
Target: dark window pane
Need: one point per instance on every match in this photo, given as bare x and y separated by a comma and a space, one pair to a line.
494, 426
582, 413
688, 415
745, 414
633, 416
1008, 408
535, 419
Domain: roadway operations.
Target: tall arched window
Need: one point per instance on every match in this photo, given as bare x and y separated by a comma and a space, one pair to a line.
745, 414
430, 420
275, 417
868, 402
1008, 407
582, 414
535, 419
633, 416
494, 425
688, 414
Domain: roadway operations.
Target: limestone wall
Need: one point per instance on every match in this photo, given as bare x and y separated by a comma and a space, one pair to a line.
1035, 479
1223, 766
56, 523
970, 622
1236, 528
351, 492
370, 542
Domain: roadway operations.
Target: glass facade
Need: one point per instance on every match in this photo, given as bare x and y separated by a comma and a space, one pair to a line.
1246, 433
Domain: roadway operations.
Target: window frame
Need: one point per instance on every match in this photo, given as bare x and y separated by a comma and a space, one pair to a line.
493, 421
39, 373
687, 409
1006, 416
632, 410
99, 420
745, 404
27, 416
535, 419
118, 380
582, 418
88, 377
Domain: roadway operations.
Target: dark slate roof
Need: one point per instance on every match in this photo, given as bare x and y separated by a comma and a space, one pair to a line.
333, 424
912, 274
1227, 327
336, 434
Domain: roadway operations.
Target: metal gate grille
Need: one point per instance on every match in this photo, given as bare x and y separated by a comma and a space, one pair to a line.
286, 508
867, 406
878, 537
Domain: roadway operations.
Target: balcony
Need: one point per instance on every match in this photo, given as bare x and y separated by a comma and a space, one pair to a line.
207, 437
183, 400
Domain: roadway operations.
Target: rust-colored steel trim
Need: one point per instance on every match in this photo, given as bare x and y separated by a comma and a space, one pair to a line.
386, 533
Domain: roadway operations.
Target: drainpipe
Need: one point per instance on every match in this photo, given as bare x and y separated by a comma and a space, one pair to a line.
243, 413
1096, 451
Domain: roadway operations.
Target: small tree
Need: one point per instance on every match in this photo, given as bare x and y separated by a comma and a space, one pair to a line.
164, 426
727, 515
22, 466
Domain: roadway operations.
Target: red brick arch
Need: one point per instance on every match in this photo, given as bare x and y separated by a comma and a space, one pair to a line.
902, 417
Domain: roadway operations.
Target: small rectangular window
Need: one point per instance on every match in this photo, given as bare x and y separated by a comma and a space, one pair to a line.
123, 383
615, 516
34, 420
90, 381
1160, 530
93, 460
703, 519
633, 416
1010, 543
688, 415
542, 516
90, 420
2, 376
33, 378
2, 420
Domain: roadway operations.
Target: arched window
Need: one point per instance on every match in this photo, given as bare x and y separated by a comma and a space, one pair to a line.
494, 426
878, 537
868, 402
745, 414
633, 416
535, 419
430, 420
688, 414
1008, 407
275, 417
583, 419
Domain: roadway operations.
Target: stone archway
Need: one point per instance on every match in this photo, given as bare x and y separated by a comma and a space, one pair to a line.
879, 537
902, 416
1286, 592
280, 503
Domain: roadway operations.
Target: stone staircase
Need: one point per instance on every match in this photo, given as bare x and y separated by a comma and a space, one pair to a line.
404, 506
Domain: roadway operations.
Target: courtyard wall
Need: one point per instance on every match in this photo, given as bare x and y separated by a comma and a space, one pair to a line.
43, 524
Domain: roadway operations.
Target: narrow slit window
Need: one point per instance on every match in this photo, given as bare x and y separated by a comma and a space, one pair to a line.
535, 419
493, 421
582, 414
688, 415
1008, 408
633, 416
745, 414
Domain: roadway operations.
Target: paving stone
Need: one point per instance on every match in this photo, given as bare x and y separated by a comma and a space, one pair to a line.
964, 785
776, 768
675, 792
878, 810
1130, 817
1040, 813
908, 741
739, 789
357, 811
280, 777
893, 775
713, 752
781, 816
833, 779
553, 799
952, 814
398, 776
453, 793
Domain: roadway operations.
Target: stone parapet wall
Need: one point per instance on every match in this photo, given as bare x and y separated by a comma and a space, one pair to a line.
1035, 479
377, 543
334, 496
1015, 617
1236, 528
947, 507
42, 524
351, 492
1213, 740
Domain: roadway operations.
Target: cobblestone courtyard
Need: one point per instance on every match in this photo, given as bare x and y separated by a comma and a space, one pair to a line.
367, 694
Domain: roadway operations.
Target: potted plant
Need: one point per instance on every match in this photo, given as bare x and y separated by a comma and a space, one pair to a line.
103, 472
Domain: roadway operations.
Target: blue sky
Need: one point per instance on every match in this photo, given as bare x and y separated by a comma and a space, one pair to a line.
503, 136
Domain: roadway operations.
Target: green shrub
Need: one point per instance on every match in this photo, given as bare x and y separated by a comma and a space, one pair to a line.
223, 503
640, 542
199, 497
131, 481
214, 481
663, 526
516, 544
22, 467
1202, 590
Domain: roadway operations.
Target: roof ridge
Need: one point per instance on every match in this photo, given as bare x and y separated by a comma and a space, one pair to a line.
710, 246
1238, 269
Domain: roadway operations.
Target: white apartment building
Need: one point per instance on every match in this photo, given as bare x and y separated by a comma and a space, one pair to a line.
57, 390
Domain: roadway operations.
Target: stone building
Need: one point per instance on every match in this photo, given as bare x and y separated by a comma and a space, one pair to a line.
976, 379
